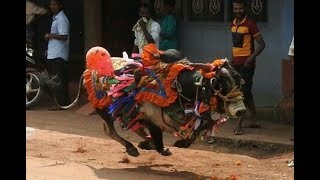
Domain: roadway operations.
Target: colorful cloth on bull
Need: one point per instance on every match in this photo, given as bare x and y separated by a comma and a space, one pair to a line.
116, 93
170, 94
153, 91
214, 65
97, 102
156, 84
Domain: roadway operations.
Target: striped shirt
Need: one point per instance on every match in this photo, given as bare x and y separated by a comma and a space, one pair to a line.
243, 39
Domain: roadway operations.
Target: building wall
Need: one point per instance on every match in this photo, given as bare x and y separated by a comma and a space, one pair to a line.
205, 41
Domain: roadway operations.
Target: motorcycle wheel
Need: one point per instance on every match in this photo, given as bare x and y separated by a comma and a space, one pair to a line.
34, 87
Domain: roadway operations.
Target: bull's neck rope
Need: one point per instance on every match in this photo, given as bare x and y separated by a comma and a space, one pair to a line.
177, 85
230, 96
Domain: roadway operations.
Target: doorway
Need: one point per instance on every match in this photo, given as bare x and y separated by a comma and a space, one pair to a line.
118, 18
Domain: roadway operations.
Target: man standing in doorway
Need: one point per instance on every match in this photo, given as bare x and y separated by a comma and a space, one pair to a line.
244, 32
146, 31
58, 52
168, 24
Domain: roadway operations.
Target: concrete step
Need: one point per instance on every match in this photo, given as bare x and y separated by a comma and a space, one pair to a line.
266, 114
275, 115
250, 145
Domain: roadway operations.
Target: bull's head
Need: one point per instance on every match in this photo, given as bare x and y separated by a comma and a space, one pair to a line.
226, 87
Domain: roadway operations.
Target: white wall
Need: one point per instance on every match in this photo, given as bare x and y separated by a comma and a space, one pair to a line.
205, 41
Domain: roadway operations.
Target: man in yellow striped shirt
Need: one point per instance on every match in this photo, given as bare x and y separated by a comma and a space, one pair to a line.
244, 32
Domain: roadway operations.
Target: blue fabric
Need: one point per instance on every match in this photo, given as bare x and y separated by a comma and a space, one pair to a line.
126, 100
168, 33
162, 91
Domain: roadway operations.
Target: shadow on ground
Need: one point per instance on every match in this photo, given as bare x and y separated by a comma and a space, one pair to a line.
144, 172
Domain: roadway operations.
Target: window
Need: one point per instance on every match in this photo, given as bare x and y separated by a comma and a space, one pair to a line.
215, 11
257, 10
206, 10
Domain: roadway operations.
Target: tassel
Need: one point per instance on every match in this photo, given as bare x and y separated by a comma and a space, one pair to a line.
121, 101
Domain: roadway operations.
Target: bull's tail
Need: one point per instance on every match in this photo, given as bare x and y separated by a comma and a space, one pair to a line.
76, 99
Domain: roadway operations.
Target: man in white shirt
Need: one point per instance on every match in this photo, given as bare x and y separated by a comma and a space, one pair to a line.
291, 57
291, 50
58, 52
145, 32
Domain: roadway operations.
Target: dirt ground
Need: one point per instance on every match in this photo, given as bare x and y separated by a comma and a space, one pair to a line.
78, 149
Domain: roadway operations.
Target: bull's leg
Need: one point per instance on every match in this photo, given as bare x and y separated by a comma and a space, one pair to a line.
239, 130
147, 144
110, 131
184, 143
157, 138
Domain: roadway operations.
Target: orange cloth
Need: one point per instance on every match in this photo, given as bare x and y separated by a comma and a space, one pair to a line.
147, 55
146, 96
203, 107
215, 64
95, 102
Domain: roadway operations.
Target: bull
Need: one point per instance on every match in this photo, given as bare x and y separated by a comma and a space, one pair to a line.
193, 89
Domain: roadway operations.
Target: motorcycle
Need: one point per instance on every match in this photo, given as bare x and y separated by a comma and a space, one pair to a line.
36, 76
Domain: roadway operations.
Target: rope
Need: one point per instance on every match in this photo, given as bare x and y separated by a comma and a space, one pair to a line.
177, 85
81, 82
230, 96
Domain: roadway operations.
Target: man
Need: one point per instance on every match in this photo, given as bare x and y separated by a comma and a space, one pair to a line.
244, 32
168, 34
291, 51
58, 52
291, 58
145, 32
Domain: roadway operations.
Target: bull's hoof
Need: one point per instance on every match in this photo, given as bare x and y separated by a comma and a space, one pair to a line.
147, 145
133, 151
238, 131
165, 152
181, 143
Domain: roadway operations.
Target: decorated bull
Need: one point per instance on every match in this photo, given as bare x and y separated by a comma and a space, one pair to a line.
163, 93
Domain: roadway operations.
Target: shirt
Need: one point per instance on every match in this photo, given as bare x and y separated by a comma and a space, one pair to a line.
140, 40
59, 48
243, 39
168, 27
291, 48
